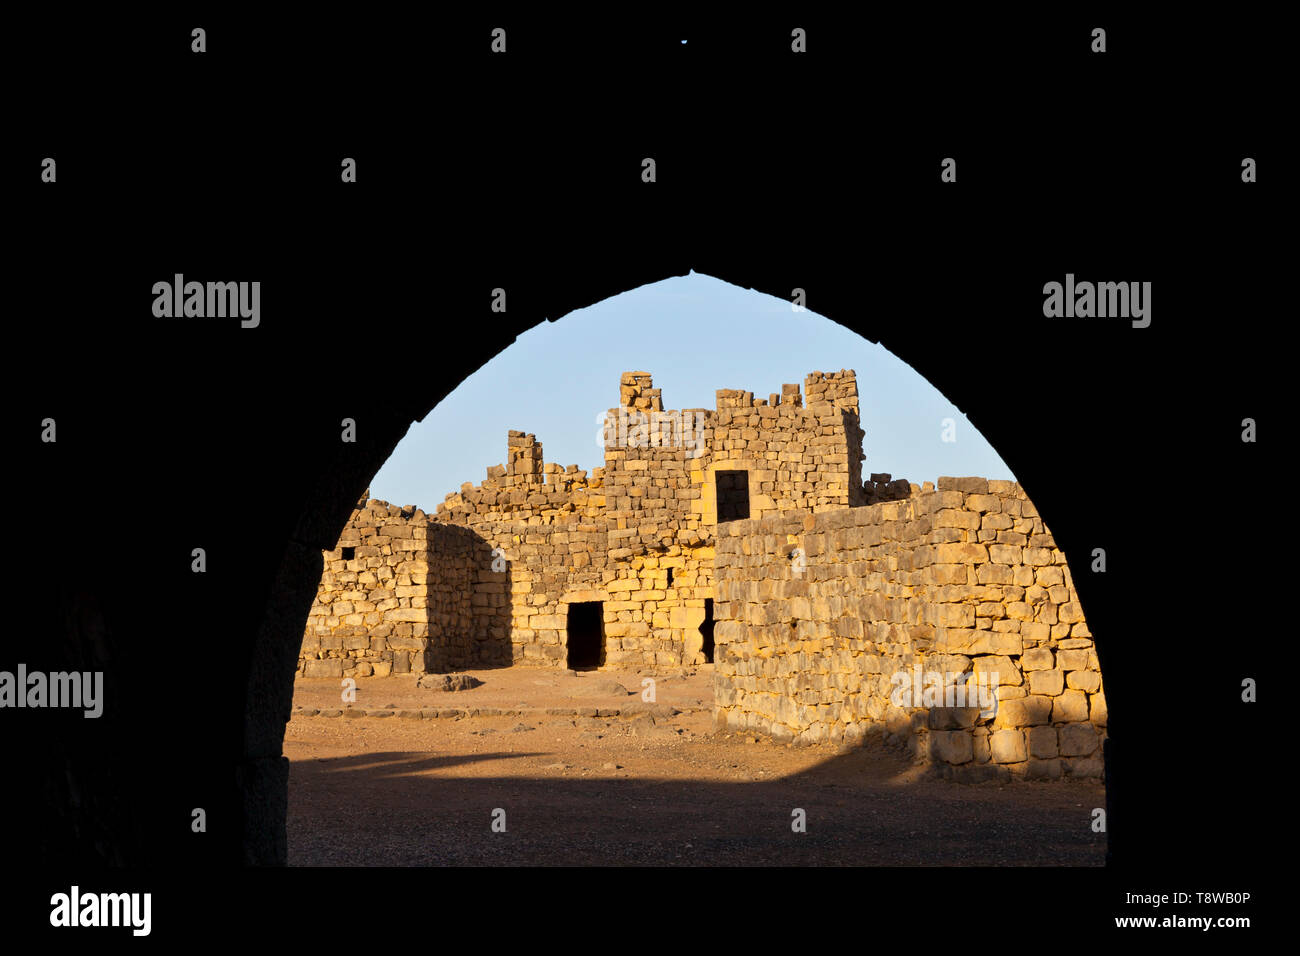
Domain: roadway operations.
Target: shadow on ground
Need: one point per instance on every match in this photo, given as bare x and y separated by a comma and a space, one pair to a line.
865, 808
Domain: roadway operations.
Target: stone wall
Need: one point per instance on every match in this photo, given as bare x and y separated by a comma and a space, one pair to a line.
401, 595
839, 609
887, 619
637, 534
943, 620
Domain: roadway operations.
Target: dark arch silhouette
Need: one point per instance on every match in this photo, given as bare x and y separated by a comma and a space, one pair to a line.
177, 436
324, 510
255, 470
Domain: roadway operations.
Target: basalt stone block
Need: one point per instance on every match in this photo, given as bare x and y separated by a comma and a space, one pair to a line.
952, 718
978, 773
1044, 770
967, 486
1086, 768
1078, 740
1043, 743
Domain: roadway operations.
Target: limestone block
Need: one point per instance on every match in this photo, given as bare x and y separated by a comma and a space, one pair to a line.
1037, 659
1070, 613
1025, 712
1004, 554
994, 574
1088, 681
1035, 632
966, 553
941, 575
1003, 667
983, 503
406, 614
1071, 705
1073, 660
995, 521
997, 642
1048, 683
1020, 611
956, 615
1008, 746
407, 642
1097, 713
955, 518
1049, 577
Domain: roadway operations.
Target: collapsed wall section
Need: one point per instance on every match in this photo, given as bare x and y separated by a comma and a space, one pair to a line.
401, 595
659, 576
544, 528
946, 622
637, 536
796, 456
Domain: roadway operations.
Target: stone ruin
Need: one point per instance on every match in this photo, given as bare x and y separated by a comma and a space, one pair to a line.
833, 609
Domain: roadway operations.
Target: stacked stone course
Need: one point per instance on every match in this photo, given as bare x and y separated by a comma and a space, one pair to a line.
409, 599
822, 619
650, 514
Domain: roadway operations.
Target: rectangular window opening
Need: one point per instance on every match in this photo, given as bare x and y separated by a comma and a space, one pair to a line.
733, 495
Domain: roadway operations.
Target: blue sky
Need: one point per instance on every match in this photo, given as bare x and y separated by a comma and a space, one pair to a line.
694, 334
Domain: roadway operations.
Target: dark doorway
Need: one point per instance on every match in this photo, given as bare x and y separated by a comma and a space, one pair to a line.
733, 495
586, 635
706, 631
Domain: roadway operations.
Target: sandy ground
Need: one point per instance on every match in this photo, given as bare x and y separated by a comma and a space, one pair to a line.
651, 786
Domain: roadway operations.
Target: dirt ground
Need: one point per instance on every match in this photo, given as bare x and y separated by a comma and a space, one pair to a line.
651, 786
